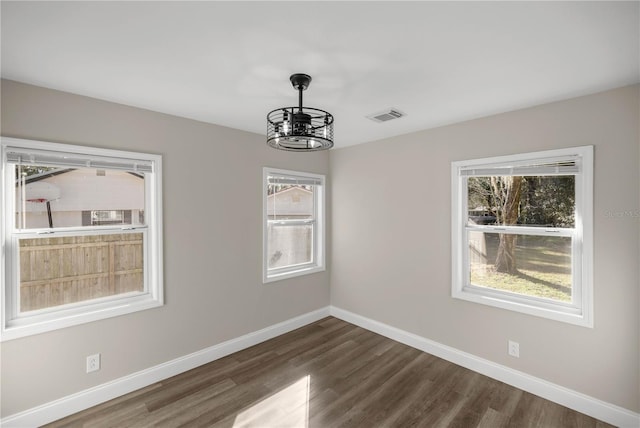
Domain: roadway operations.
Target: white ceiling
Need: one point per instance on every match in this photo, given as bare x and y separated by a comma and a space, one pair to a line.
229, 63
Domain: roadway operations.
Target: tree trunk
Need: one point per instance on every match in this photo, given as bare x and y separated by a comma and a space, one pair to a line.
506, 257
507, 191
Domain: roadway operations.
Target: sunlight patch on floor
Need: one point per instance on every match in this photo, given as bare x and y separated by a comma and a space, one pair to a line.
288, 407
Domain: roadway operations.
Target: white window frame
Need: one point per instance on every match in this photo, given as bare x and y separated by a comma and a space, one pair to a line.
16, 324
580, 310
317, 263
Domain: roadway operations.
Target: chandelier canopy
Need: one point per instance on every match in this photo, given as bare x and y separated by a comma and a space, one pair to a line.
300, 129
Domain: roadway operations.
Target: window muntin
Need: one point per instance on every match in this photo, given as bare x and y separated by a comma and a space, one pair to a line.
530, 251
293, 223
97, 250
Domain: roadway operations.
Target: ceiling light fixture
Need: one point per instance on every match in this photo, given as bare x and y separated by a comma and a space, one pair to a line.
300, 129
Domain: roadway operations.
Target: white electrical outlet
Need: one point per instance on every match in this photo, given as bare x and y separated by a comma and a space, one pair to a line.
514, 349
93, 363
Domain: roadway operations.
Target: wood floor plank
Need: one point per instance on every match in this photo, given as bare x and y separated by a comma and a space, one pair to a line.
392, 401
329, 374
493, 419
175, 389
361, 384
101, 411
186, 407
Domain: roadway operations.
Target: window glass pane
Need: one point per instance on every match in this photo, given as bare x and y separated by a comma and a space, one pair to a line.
70, 197
105, 217
289, 245
538, 266
546, 201
71, 269
290, 202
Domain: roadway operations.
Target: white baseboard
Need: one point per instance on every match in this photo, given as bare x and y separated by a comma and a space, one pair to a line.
82, 400
582, 403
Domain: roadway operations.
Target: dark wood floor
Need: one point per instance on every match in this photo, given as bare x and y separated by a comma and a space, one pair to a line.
329, 374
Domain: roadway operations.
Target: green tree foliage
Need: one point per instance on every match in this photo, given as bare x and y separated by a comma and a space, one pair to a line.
481, 194
548, 201
28, 170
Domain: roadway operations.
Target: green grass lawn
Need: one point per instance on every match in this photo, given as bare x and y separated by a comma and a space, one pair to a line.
543, 263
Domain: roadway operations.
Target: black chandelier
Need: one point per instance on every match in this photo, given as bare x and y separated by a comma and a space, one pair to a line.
300, 129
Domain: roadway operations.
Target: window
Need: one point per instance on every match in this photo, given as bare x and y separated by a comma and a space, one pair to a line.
293, 204
102, 217
522, 233
81, 232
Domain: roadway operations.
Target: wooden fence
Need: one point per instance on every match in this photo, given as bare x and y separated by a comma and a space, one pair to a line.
61, 270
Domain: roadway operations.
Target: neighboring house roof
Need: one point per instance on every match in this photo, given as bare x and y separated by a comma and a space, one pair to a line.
291, 190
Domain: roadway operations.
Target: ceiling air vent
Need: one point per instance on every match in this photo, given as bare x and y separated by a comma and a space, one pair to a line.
386, 115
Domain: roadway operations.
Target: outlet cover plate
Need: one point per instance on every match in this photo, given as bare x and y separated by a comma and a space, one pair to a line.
93, 363
514, 349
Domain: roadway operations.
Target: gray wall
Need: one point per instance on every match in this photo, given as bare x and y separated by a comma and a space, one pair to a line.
212, 252
391, 241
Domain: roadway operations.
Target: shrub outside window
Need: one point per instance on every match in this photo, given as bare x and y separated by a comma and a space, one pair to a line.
293, 227
77, 244
522, 233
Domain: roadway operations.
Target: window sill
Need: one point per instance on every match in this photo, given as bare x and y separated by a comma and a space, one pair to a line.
27, 326
551, 311
292, 273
